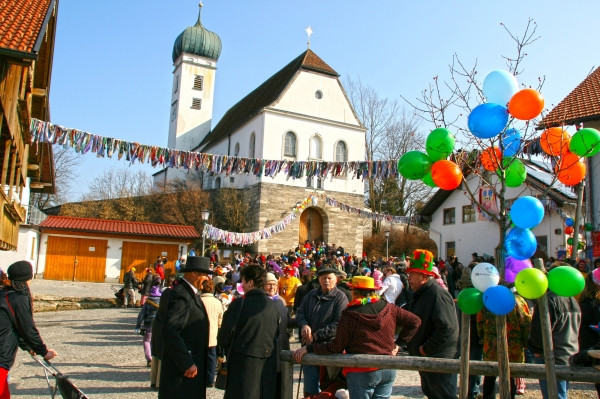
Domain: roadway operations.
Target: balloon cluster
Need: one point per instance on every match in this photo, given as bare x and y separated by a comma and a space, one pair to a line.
488, 120
556, 141
525, 213
569, 230
433, 168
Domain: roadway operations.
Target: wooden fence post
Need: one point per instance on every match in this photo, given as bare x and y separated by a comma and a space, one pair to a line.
465, 348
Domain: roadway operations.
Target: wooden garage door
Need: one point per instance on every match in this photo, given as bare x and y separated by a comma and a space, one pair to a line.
75, 259
311, 226
143, 254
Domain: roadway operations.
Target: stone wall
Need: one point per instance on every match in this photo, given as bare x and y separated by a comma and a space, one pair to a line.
51, 303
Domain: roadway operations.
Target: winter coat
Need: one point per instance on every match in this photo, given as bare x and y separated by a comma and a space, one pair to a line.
439, 329
214, 308
17, 328
370, 329
321, 312
129, 281
148, 313
146, 284
392, 287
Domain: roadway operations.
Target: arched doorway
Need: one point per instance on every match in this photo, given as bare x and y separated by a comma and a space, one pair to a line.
311, 226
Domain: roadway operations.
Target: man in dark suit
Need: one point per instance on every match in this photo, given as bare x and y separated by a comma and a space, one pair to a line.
185, 335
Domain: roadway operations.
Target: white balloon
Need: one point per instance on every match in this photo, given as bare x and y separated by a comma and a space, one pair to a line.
484, 276
499, 86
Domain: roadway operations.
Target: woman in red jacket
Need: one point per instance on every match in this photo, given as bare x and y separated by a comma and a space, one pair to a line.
367, 326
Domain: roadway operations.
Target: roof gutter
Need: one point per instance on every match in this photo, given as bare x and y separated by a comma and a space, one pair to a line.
44, 27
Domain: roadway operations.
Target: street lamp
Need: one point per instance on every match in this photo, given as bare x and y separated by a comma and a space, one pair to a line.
205, 214
387, 245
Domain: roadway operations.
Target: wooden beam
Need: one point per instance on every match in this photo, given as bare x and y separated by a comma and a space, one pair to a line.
39, 92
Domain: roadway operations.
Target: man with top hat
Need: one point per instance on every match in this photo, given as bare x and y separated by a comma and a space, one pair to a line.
17, 328
438, 334
185, 335
318, 316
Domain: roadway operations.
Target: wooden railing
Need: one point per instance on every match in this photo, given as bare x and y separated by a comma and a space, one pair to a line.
452, 366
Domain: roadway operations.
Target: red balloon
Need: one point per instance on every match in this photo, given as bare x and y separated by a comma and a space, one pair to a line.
569, 230
526, 104
570, 170
555, 141
446, 174
490, 158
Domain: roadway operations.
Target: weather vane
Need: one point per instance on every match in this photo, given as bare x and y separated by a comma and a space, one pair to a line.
309, 32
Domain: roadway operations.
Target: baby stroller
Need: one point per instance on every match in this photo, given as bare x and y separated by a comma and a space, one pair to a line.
118, 290
67, 389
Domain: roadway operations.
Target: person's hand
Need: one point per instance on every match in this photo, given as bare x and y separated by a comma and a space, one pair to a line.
395, 350
298, 353
307, 337
136, 331
50, 354
191, 372
422, 351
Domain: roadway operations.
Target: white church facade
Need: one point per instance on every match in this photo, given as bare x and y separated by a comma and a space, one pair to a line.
301, 113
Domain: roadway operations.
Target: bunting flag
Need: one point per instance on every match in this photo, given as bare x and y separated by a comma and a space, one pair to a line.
84, 142
228, 237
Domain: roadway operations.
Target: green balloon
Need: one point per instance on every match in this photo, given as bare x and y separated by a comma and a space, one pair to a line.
514, 172
531, 283
470, 300
588, 227
585, 143
570, 240
581, 245
428, 180
439, 144
565, 281
414, 165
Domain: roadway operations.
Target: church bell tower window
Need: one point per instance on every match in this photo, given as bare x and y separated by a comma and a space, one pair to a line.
198, 82
196, 103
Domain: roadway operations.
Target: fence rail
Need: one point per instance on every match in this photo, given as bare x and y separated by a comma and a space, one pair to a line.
452, 366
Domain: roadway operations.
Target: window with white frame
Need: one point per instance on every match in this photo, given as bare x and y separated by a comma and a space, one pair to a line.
315, 148
341, 154
289, 149
252, 145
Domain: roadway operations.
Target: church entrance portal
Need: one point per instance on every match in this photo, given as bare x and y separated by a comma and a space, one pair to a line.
311, 226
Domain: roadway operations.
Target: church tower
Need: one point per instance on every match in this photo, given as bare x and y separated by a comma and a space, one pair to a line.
195, 54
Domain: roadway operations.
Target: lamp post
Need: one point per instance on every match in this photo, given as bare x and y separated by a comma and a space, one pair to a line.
387, 245
205, 214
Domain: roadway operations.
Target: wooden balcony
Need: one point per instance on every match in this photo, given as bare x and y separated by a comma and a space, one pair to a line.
13, 214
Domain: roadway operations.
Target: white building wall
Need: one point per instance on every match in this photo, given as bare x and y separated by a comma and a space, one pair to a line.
483, 236
27, 248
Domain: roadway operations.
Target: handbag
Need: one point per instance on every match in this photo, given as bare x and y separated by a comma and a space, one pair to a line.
221, 381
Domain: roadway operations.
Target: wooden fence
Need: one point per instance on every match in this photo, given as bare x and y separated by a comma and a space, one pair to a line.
525, 370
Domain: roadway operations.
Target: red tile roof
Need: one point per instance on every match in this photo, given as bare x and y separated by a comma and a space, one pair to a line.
22, 22
582, 104
88, 225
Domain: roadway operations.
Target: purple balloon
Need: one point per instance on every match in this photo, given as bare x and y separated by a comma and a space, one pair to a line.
514, 266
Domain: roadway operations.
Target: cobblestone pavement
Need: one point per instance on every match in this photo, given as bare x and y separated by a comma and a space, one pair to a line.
99, 352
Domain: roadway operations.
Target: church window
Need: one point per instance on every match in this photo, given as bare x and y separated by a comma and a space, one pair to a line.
252, 145
236, 149
176, 84
174, 110
315, 148
318, 94
290, 145
198, 82
196, 103
218, 182
341, 155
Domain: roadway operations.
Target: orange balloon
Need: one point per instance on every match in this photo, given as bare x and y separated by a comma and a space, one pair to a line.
446, 174
569, 230
570, 170
490, 158
526, 104
555, 141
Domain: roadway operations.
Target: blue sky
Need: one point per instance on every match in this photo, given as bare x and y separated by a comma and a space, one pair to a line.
112, 68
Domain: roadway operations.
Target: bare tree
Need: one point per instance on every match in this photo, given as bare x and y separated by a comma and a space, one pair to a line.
391, 131
66, 163
119, 183
232, 211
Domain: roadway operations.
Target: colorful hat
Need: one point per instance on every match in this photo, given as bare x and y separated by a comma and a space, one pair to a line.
422, 262
363, 283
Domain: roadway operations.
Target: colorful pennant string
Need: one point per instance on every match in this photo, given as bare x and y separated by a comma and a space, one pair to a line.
84, 142
233, 238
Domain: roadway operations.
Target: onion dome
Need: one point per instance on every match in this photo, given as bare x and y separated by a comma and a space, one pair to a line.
197, 40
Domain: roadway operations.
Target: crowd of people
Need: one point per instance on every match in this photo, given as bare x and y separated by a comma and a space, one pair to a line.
240, 316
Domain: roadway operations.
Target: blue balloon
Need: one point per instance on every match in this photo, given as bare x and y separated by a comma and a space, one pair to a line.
499, 86
527, 212
499, 300
511, 142
569, 222
520, 243
487, 120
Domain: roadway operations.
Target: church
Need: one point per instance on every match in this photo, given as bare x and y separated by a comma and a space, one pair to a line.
301, 113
